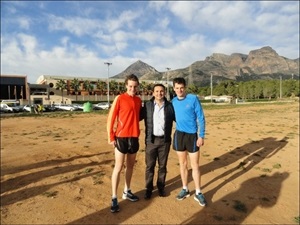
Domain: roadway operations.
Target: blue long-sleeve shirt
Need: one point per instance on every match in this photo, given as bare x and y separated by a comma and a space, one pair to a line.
189, 115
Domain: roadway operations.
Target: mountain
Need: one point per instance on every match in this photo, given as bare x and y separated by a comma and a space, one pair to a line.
262, 63
138, 68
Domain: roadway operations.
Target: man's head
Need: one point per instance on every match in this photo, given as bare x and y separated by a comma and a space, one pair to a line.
159, 91
179, 87
179, 80
132, 84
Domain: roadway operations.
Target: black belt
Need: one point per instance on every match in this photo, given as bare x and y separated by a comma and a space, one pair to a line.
159, 136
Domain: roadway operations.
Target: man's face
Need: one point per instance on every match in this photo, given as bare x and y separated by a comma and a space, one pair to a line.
132, 87
179, 90
159, 92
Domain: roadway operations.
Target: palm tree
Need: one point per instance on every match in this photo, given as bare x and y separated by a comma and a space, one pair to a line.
121, 87
143, 87
149, 88
75, 85
101, 86
113, 86
88, 86
61, 85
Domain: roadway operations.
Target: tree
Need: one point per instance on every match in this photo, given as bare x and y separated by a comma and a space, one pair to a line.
75, 85
192, 88
101, 86
113, 86
88, 86
61, 85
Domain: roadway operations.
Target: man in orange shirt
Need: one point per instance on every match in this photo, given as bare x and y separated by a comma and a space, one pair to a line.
125, 111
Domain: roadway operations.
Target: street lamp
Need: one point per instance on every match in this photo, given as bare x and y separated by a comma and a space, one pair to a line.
211, 87
108, 64
280, 87
168, 82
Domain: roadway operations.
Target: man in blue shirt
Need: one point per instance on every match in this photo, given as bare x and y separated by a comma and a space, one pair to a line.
190, 121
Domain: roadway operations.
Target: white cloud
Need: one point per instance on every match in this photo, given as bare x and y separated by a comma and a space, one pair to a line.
161, 33
24, 22
157, 5
75, 25
125, 20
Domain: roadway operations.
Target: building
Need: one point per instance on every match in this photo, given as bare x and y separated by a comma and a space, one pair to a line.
45, 91
222, 98
97, 92
13, 87
16, 87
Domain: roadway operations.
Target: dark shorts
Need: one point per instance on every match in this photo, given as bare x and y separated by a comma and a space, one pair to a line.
127, 145
185, 141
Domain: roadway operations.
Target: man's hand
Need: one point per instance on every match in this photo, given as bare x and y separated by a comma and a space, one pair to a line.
200, 141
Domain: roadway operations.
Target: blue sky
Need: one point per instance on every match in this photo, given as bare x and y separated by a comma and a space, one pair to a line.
75, 38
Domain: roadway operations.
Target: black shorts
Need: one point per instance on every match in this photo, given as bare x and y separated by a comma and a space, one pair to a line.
185, 141
127, 145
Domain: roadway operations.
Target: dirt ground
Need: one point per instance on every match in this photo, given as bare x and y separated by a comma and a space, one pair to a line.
57, 169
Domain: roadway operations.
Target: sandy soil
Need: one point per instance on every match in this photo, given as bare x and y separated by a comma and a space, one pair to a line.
57, 169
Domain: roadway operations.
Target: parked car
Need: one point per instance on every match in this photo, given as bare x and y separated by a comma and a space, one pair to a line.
63, 107
7, 108
78, 107
49, 108
4, 109
26, 108
101, 105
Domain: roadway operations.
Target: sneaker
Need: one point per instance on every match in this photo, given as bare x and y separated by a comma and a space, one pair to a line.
183, 194
114, 205
200, 199
130, 196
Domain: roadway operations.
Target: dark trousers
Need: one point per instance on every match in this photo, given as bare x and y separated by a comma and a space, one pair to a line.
157, 151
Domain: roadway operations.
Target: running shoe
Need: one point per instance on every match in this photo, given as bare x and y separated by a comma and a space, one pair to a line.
200, 199
114, 205
183, 194
130, 196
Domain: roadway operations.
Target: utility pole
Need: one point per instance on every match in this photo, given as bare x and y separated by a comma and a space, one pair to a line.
211, 87
108, 64
168, 95
280, 95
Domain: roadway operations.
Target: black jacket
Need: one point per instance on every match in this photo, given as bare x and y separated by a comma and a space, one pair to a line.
148, 111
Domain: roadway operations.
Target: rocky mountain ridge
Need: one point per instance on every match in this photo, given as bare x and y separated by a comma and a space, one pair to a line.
262, 63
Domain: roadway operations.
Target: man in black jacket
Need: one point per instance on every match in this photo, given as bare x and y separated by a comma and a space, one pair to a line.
158, 117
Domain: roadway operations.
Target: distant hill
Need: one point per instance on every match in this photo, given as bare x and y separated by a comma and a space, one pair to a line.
138, 68
262, 63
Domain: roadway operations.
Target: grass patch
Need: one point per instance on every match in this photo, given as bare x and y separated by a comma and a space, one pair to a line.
265, 199
97, 178
266, 170
88, 170
297, 219
277, 166
218, 218
239, 206
50, 194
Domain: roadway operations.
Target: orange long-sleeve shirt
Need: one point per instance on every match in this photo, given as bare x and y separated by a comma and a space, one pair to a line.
124, 117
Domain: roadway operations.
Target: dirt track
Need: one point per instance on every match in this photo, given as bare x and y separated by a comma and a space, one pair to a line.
56, 170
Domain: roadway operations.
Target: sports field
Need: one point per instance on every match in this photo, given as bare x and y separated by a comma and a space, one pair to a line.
56, 169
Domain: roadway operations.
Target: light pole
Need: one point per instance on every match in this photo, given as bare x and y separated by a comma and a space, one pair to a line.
168, 82
280, 86
211, 87
108, 64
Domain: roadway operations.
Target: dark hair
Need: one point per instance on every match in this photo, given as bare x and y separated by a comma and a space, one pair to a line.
158, 85
132, 77
179, 80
